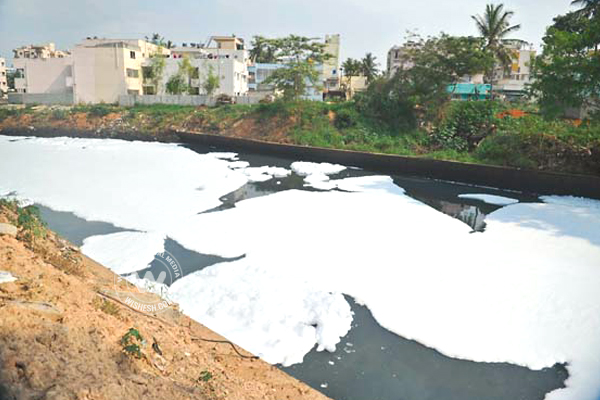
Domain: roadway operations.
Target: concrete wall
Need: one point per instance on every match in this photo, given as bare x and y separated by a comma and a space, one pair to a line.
41, 98
183, 100
3, 77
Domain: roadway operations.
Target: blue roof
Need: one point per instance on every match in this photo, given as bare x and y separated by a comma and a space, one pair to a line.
469, 89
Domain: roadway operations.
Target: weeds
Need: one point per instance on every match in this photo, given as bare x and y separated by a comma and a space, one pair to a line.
205, 376
106, 306
132, 343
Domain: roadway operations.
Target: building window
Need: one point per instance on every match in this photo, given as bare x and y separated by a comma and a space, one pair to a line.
131, 91
132, 55
133, 73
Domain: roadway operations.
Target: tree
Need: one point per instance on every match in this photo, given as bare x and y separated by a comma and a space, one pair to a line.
590, 8
263, 50
177, 85
187, 72
154, 72
421, 91
212, 82
567, 73
494, 26
351, 68
369, 68
299, 55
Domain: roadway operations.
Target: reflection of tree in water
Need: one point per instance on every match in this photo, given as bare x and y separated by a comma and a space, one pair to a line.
470, 215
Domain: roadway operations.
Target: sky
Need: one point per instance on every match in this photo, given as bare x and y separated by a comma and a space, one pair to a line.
364, 25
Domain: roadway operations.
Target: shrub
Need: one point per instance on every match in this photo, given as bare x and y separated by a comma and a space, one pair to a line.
465, 124
59, 115
345, 118
99, 110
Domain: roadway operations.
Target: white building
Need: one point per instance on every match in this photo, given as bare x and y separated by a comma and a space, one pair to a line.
223, 56
3, 78
512, 81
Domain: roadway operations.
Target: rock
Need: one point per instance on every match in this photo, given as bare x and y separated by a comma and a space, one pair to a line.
8, 229
6, 277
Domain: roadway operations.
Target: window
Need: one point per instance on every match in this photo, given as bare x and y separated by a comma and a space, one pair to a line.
131, 91
133, 73
132, 55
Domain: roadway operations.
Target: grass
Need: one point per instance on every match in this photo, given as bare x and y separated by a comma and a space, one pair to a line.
468, 131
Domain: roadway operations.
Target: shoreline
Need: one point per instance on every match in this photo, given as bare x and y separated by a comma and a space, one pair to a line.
523, 180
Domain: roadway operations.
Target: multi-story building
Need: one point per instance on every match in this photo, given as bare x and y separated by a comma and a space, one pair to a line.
39, 51
512, 81
223, 56
508, 82
104, 69
3, 78
329, 73
43, 69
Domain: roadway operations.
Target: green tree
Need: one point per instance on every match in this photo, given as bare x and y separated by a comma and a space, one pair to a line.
263, 50
369, 67
494, 26
299, 55
351, 68
153, 73
188, 72
212, 82
567, 73
177, 84
589, 8
421, 91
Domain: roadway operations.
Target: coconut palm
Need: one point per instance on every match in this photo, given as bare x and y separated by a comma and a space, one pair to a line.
494, 26
589, 8
369, 67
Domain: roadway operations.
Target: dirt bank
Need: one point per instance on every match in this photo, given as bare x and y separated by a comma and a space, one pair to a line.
61, 339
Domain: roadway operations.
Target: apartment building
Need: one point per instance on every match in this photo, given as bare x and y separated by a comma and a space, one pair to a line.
43, 69
223, 56
512, 82
3, 78
104, 69
95, 71
43, 51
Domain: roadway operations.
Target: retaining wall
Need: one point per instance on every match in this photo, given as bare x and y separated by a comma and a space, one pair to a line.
528, 181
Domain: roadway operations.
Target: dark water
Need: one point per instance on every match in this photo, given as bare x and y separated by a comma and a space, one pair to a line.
371, 362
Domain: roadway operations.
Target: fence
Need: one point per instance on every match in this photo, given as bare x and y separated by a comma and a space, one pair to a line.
41, 98
184, 100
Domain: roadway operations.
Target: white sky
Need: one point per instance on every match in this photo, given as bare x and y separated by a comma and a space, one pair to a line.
365, 25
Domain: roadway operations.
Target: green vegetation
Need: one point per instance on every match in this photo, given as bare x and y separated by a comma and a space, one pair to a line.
205, 376
106, 306
299, 55
131, 343
26, 219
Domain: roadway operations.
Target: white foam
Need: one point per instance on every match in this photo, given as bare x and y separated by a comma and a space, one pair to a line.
525, 291
124, 252
265, 173
489, 198
134, 185
305, 168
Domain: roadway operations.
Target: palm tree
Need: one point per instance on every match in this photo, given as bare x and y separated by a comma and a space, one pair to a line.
494, 26
589, 8
369, 67
351, 68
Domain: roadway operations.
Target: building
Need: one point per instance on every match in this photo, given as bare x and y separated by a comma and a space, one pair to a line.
398, 58
512, 82
329, 73
104, 69
3, 78
39, 51
223, 56
42, 69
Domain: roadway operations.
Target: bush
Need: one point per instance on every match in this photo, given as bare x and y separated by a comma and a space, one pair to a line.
345, 118
465, 125
99, 110
59, 115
